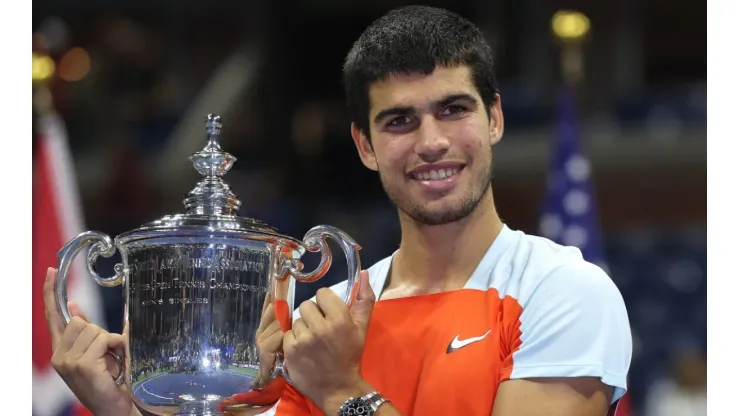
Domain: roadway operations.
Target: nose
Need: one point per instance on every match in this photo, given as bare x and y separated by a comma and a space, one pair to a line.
431, 144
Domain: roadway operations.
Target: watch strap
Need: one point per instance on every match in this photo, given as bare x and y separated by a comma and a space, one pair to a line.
371, 400
374, 400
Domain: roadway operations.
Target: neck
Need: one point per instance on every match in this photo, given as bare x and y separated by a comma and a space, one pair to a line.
442, 257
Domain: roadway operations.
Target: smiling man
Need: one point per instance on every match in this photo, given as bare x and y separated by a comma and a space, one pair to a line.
468, 317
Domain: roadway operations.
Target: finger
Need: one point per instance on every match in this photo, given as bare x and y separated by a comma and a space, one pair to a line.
100, 346
71, 332
84, 340
115, 345
332, 306
268, 302
76, 310
289, 341
53, 318
311, 314
268, 317
98, 349
362, 308
300, 329
115, 341
272, 329
111, 364
366, 291
272, 343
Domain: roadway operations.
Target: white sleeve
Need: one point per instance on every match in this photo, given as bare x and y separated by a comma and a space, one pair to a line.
574, 324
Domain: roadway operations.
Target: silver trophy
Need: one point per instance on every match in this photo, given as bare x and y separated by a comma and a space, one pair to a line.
195, 289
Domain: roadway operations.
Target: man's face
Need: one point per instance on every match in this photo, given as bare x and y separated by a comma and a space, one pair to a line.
431, 143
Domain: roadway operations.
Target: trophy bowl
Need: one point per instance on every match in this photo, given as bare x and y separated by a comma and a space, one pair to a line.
196, 289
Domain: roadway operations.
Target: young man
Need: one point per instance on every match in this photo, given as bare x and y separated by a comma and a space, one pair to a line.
467, 317
471, 317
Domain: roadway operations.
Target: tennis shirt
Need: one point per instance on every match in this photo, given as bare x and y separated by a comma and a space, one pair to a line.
531, 308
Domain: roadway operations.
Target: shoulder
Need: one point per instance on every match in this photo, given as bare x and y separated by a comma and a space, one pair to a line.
560, 274
573, 320
535, 270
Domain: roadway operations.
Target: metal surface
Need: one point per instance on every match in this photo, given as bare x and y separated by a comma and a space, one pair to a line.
195, 287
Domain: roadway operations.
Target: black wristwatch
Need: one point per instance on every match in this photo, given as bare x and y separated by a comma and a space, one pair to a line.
362, 406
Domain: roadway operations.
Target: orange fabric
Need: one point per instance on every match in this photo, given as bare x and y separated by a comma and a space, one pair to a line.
406, 357
282, 313
80, 410
266, 397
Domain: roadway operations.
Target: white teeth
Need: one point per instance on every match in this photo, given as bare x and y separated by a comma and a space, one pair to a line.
435, 175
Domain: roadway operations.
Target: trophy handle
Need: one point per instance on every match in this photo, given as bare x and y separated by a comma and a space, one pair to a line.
315, 240
102, 245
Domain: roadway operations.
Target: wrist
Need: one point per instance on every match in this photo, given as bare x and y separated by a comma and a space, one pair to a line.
332, 402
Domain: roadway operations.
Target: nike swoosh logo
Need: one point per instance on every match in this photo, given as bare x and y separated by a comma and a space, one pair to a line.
458, 343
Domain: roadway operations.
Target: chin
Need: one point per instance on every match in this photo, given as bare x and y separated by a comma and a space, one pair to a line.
444, 213
432, 218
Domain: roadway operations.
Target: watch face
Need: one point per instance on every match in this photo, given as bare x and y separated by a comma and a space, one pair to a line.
355, 407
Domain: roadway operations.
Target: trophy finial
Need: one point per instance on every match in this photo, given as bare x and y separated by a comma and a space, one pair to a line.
213, 127
212, 195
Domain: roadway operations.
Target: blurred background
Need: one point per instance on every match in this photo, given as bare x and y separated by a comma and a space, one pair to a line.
131, 83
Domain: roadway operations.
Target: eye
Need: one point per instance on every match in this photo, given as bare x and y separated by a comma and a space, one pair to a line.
453, 109
399, 121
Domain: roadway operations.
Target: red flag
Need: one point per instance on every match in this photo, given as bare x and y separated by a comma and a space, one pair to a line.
56, 219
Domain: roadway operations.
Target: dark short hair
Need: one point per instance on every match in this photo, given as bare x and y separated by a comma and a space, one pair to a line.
415, 40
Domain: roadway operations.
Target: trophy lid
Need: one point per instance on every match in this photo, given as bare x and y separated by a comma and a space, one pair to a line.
210, 206
211, 196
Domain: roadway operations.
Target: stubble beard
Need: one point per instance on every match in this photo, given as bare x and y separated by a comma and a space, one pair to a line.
458, 210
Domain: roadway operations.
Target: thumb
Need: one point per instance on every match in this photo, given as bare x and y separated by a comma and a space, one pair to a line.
362, 306
76, 310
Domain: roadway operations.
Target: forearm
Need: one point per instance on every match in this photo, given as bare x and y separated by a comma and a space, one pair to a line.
331, 405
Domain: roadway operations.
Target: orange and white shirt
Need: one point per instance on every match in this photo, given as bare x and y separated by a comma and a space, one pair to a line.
531, 308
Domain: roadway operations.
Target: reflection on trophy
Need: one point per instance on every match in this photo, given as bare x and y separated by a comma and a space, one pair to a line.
196, 286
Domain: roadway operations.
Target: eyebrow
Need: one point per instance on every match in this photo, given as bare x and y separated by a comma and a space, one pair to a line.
406, 110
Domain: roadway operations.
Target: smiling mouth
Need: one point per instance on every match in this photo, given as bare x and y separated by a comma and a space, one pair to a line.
436, 174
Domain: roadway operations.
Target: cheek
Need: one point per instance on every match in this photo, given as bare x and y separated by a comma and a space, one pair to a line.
393, 158
473, 141
472, 135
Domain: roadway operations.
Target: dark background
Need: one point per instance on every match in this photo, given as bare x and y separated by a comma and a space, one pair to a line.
272, 69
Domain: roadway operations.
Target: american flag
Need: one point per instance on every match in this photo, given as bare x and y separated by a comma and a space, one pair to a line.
569, 215
56, 219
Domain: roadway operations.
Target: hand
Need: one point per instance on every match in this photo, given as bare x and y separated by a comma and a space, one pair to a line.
80, 358
269, 342
266, 390
324, 348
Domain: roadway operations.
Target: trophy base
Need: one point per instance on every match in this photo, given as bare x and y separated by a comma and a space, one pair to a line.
194, 409
204, 409
211, 409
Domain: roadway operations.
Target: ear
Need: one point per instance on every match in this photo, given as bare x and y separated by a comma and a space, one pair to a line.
496, 124
364, 148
